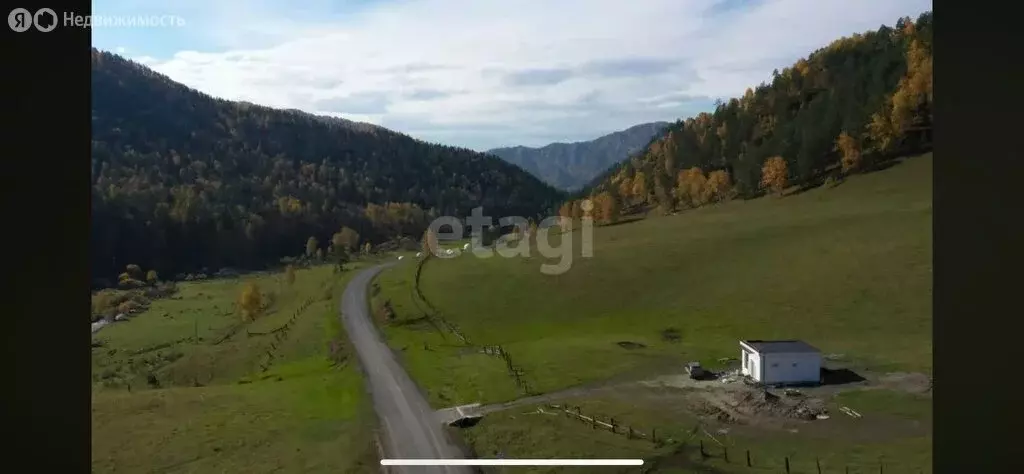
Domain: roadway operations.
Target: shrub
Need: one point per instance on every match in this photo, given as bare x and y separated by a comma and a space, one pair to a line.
134, 271
129, 307
250, 302
289, 274
130, 283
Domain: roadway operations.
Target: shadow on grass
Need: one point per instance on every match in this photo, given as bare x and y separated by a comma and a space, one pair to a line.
625, 220
839, 377
685, 457
819, 180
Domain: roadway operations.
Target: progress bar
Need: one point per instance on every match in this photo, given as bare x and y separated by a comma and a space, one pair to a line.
511, 462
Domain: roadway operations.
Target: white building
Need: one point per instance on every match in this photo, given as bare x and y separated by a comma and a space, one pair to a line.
781, 362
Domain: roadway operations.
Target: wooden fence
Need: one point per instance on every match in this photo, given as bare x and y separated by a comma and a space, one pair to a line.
515, 372
280, 334
718, 450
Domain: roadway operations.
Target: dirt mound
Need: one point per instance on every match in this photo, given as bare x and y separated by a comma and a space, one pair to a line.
630, 345
753, 406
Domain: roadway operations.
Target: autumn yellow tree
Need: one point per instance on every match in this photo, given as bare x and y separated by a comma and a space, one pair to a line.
718, 187
311, 245
429, 242
774, 175
577, 211
606, 208
690, 187
565, 210
639, 186
626, 188
910, 107
134, 271
348, 239
850, 153
151, 277
289, 274
251, 301
367, 248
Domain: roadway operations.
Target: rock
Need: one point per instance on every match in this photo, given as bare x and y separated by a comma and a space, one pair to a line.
121, 317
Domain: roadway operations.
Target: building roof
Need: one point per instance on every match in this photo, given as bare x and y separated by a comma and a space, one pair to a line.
780, 346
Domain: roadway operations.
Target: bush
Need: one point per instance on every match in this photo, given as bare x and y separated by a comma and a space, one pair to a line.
134, 271
289, 273
130, 283
250, 302
130, 306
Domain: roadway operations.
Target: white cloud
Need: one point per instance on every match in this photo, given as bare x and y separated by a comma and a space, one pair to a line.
487, 73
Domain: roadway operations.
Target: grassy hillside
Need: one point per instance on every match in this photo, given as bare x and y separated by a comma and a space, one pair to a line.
846, 268
212, 408
848, 106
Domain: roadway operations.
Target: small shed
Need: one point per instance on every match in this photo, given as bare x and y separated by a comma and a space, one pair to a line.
781, 362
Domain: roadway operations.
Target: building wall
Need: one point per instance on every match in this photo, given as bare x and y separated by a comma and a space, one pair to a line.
745, 363
800, 367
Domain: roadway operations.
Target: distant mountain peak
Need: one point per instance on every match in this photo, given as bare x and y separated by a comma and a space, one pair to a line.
571, 165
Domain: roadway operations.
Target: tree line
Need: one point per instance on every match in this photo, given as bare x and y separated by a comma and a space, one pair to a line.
183, 181
847, 107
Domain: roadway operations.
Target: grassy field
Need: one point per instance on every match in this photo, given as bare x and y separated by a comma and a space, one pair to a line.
213, 408
846, 268
898, 436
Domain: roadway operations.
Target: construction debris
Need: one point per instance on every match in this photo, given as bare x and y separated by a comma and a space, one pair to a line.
849, 411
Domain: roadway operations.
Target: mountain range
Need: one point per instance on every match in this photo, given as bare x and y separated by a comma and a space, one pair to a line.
570, 166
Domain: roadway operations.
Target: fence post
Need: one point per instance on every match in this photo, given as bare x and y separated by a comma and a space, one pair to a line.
787, 464
611, 421
748, 458
817, 463
702, 453
725, 454
654, 435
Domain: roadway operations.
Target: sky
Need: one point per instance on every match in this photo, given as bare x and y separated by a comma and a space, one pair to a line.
485, 73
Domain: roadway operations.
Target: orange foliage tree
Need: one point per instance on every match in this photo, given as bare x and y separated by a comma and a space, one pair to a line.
849, 149
690, 186
774, 175
718, 187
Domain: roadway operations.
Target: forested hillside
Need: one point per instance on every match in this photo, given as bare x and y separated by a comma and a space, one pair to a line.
182, 181
845, 108
573, 165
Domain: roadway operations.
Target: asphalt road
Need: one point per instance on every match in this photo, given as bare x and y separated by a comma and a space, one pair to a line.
410, 429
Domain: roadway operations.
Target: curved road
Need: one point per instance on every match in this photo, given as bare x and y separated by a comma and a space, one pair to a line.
411, 430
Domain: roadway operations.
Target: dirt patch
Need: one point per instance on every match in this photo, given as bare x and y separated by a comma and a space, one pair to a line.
630, 345
910, 382
671, 335
753, 406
